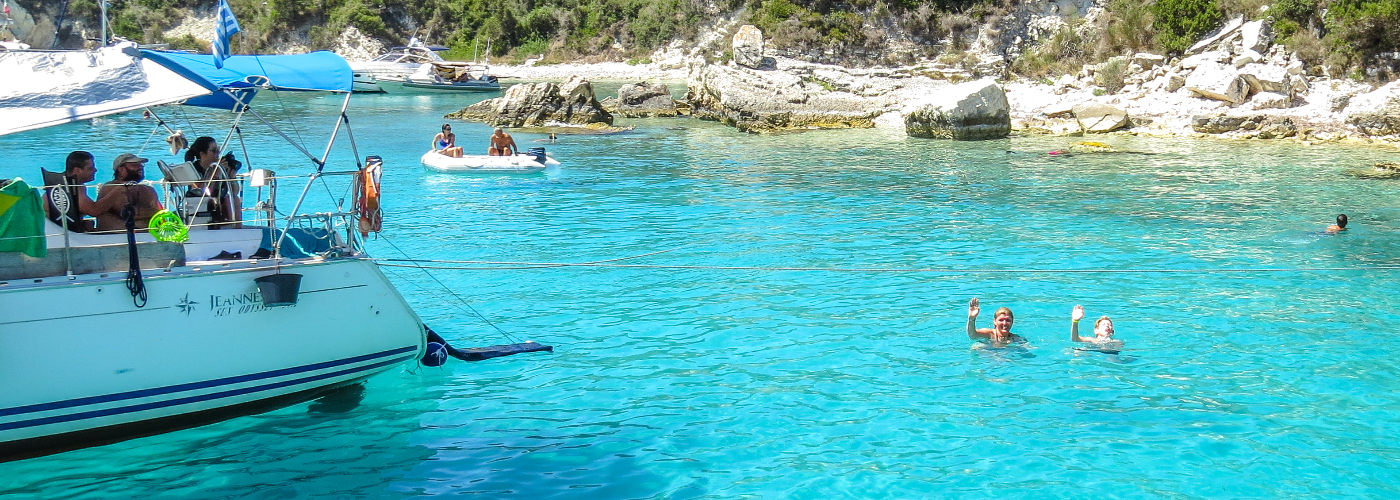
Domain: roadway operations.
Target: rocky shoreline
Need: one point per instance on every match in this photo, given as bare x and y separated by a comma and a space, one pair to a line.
1235, 84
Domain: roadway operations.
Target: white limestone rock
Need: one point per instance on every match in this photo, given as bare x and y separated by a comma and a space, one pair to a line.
1204, 58
1098, 118
1247, 57
1266, 78
748, 46
1376, 112
1256, 36
1222, 83
1148, 61
1175, 82
969, 111
1230, 30
1271, 100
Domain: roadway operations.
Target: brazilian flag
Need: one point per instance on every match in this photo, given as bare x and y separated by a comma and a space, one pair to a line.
22, 220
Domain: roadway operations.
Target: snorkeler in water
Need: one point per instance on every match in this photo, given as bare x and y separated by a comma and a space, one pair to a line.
999, 334
1340, 226
1103, 332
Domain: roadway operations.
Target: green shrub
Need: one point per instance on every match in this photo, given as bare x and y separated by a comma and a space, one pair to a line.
1126, 29
1179, 23
1360, 31
1111, 73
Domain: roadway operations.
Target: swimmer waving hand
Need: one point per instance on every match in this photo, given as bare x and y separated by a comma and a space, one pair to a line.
999, 335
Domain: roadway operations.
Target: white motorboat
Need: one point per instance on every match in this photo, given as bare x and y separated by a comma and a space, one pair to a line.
365, 82
448, 77
395, 65
532, 162
109, 337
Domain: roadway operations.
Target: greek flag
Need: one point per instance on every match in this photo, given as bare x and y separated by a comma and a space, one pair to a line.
224, 28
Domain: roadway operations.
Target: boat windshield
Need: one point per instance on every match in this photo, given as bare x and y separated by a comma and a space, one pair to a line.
408, 55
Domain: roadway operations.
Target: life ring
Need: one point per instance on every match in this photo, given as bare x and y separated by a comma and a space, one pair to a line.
371, 216
166, 226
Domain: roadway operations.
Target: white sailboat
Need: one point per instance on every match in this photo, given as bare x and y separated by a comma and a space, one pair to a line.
94, 350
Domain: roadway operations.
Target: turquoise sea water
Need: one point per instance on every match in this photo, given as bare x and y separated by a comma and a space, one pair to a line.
846, 374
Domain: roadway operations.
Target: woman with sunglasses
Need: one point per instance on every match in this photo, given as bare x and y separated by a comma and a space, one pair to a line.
445, 143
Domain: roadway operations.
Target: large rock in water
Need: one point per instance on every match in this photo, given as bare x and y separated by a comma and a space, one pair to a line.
640, 100
539, 104
967, 112
1376, 112
770, 101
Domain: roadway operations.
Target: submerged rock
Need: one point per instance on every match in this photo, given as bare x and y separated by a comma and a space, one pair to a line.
1383, 170
1222, 123
539, 104
968, 112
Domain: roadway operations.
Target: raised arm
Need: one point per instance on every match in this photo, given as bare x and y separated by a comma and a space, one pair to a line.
1074, 317
972, 310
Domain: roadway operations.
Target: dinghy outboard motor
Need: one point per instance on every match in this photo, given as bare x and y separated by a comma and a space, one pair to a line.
538, 153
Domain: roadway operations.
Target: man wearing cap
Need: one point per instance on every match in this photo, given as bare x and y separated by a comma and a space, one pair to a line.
127, 171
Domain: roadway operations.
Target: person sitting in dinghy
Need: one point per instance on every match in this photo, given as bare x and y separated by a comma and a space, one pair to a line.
999, 335
445, 142
502, 144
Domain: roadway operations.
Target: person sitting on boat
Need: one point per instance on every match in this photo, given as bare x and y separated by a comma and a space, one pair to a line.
502, 144
78, 170
1103, 331
217, 186
1340, 226
999, 334
127, 171
445, 143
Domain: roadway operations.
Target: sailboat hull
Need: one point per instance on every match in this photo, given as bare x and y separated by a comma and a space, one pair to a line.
82, 366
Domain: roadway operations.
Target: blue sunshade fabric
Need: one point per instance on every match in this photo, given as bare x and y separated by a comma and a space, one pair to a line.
321, 70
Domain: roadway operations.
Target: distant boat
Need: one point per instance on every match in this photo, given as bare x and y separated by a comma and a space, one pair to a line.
446, 77
395, 65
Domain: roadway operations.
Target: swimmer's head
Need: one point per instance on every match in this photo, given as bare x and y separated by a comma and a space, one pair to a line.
1003, 315
498, 130
1342, 221
1103, 327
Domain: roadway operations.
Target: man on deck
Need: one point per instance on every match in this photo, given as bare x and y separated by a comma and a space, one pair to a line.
127, 171
78, 170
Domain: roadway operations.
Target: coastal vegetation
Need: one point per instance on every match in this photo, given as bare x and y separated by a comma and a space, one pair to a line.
1356, 38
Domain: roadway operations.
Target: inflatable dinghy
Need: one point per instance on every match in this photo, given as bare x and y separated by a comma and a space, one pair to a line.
533, 161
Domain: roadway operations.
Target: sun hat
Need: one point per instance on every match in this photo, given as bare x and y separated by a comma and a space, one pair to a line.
127, 158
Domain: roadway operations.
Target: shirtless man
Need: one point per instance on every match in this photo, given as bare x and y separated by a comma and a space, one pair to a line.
502, 144
999, 334
127, 171
1340, 226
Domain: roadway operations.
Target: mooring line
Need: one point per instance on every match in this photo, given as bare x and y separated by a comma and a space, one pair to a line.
463, 301
496, 266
